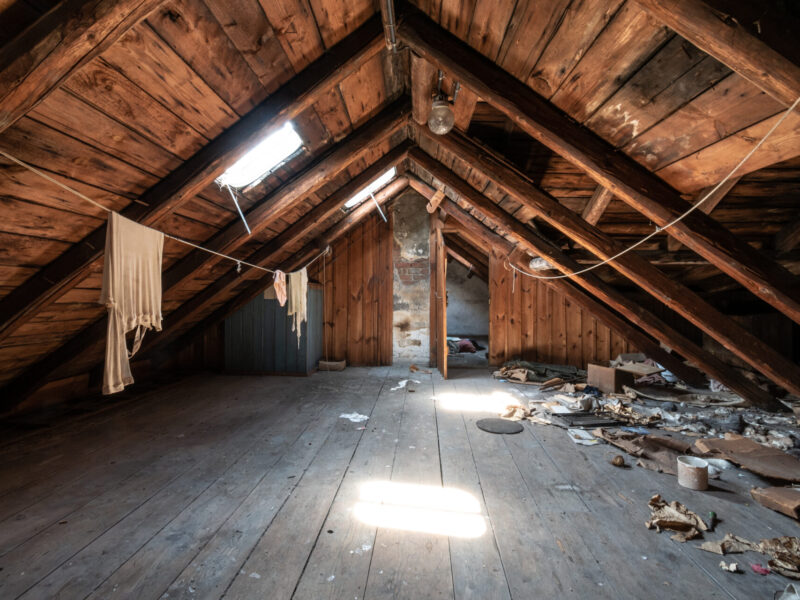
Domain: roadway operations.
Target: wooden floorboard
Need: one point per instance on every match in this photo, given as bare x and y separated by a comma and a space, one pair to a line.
255, 487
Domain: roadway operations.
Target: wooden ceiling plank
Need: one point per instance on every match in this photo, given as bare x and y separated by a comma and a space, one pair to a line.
59, 43
710, 204
597, 205
599, 289
196, 173
676, 296
725, 39
628, 180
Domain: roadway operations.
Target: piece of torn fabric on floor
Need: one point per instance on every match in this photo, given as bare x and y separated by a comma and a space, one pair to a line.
655, 452
674, 516
762, 460
784, 500
298, 294
131, 292
784, 552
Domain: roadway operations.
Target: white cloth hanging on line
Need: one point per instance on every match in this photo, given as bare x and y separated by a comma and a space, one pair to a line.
280, 287
298, 293
131, 292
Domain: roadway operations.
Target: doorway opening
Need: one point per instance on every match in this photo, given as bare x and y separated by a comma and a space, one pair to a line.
467, 288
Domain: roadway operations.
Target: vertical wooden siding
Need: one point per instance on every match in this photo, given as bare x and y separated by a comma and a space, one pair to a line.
358, 295
529, 321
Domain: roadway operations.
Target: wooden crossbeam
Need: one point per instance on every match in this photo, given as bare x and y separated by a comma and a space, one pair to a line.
674, 295
423, 81
724, 38
465, 254
195, 173
59, 43
597, 205
624, 177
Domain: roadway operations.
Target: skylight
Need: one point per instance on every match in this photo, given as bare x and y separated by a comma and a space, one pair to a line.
371, 188
262, 159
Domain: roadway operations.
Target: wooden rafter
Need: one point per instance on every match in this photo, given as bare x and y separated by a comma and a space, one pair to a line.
649, 278
59, 43
195, 173
627, 179
787, 238
724, 38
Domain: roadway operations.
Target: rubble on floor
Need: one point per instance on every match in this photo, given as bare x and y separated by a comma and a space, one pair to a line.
784, 552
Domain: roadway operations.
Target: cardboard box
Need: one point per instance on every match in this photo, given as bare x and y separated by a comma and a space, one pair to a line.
608, 379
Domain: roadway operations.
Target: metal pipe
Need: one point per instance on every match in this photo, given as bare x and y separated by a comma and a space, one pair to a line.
389, 25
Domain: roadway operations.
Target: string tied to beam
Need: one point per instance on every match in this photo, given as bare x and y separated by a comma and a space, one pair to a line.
677, 219
86, 198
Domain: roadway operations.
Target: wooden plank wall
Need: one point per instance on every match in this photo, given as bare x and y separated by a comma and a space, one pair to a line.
358, 295
530, 321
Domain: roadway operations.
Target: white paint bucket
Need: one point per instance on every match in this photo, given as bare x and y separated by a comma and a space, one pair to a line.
693, 472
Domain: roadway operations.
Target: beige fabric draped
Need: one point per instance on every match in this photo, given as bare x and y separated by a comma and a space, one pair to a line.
131, 292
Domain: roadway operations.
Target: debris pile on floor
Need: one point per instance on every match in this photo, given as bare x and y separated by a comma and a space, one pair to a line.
784, 552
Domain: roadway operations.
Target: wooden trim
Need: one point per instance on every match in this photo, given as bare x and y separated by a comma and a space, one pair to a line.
196, 173
597, 205
627, 179
724, 38
60, 42
597, 287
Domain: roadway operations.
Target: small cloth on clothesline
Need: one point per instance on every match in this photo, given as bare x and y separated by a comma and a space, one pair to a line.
280, 287
298, 293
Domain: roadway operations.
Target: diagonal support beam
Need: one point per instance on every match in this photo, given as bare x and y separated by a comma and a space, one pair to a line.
649, 278
624, 177
597, 205
724, 38
709, 205
195, 173
59, 43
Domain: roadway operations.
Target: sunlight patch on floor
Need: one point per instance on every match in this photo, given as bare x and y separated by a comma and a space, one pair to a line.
421, 508
495, 403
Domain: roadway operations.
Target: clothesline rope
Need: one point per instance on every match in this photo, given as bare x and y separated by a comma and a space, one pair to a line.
676, 219
238, 261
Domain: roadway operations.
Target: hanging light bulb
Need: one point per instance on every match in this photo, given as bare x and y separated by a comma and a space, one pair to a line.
441, 119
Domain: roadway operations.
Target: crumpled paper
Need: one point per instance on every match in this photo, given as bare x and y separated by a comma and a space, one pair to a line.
675, 517
784, 551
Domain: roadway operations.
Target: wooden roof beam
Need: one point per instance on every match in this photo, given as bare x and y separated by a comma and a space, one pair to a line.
60, 42
649, 278
624, 177
197, 172
787, 238
724, 38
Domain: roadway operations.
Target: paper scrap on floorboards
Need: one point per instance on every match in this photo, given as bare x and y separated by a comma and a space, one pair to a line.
674, 516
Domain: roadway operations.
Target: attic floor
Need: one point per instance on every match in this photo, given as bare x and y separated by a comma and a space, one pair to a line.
254, 487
